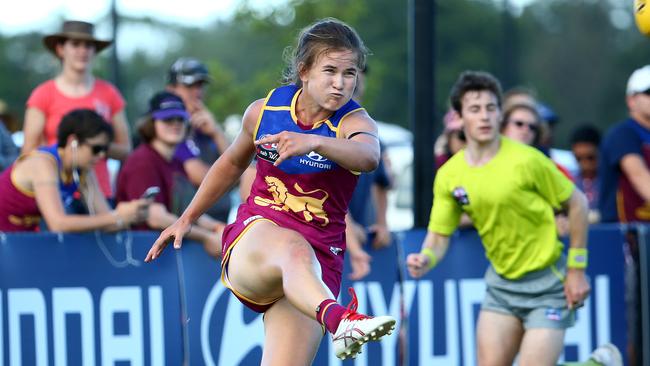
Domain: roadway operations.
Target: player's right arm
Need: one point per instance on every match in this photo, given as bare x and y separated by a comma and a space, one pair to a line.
433, 250
445, 216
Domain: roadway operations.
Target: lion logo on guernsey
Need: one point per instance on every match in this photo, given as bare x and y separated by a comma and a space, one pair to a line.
311, 208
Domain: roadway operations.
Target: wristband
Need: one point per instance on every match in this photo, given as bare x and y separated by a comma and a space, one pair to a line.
433, 260
577, 258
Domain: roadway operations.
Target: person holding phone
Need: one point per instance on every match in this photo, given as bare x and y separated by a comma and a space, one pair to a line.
152, 164
39, 184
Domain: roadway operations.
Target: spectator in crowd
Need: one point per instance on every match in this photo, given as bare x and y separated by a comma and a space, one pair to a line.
451, 140
522, 123
547, 120
366, 218
585, 141
39, 183
624, 174
8, 118
519, 95
8, 149
283, 256
206, 141
76, 87
564, 159
510, 191
152, 164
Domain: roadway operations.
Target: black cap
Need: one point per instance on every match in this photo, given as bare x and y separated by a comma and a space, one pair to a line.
187, 71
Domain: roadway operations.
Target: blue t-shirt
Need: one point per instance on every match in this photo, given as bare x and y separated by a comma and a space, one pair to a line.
627, 137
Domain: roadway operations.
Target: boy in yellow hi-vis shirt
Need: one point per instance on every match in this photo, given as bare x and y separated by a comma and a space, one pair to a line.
510, 192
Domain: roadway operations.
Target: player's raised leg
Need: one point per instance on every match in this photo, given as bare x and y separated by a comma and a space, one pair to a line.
269, 262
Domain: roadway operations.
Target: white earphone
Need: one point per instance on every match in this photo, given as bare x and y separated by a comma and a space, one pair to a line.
75, 173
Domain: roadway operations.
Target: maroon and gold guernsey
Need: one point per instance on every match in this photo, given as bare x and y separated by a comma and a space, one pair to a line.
309, 193
18, 208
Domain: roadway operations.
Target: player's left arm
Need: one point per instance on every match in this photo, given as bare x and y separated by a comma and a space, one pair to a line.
576, 286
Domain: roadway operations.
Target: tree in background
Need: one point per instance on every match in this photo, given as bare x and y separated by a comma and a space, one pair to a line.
575, 54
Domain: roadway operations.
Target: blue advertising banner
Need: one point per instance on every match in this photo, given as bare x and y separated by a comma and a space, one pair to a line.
87, 300
442, 308
90, 300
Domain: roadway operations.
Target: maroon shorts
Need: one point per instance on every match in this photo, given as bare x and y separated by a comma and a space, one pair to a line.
231, 235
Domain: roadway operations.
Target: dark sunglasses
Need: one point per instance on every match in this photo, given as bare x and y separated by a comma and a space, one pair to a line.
646, 92
586, 158
532, 127
98, 149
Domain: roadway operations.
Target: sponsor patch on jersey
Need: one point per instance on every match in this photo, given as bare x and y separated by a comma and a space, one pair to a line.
268, 151
316, 160
460, 195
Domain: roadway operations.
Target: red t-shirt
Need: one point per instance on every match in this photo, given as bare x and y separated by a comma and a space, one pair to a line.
104, 99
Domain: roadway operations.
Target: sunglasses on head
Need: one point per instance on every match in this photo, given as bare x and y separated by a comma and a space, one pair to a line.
98, 149
531, 126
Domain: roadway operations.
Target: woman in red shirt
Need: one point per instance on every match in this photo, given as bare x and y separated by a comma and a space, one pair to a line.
76, 87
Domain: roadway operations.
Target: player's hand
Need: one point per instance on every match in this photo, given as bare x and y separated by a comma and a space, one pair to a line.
417, 264
175, 233
576, 288
289, 144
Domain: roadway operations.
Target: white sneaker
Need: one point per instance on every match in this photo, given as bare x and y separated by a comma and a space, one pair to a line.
357, 329
607, 355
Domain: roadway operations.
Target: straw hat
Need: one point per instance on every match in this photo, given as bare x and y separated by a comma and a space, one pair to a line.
74, 29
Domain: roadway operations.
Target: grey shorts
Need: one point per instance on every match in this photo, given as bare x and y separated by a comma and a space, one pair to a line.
537, 298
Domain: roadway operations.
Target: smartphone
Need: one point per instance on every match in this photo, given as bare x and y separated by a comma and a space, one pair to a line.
151, 192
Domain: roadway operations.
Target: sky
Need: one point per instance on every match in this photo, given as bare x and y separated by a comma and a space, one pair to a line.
44, 16
28, 15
